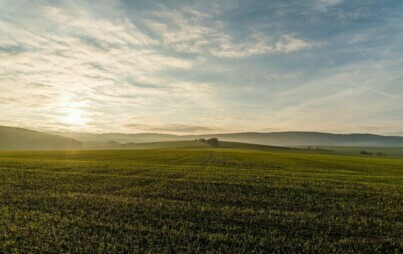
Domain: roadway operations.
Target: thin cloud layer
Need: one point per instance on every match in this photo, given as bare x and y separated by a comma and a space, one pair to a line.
179, 128
207, 66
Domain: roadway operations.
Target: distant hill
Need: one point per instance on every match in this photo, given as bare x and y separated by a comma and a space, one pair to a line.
168, 145
189, 144
120, 137
311, 138
22, 139
272, 138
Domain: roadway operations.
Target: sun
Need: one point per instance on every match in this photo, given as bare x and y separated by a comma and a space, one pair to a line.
74, 116
72, 112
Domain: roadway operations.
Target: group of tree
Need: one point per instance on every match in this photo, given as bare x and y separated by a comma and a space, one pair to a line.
368, 153
212, 141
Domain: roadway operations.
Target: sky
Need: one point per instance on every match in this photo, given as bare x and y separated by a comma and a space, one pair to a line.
203, 66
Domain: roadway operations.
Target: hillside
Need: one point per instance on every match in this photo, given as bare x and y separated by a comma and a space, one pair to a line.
167, 145
194, 144
312, 138
22, 139
273, 138
93, 140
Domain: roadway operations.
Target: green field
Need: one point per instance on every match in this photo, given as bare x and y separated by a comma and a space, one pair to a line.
200, 200
391, 152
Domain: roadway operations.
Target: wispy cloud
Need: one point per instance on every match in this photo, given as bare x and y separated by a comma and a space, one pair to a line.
171, 128
191, 34
200, 66
325, 4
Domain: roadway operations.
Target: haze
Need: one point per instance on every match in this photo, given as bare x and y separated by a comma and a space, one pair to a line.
189, 67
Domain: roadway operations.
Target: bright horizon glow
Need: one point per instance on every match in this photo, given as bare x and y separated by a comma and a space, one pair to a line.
202, 66
74, 117
72, 113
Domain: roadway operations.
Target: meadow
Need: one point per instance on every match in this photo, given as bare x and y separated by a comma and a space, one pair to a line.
200, 200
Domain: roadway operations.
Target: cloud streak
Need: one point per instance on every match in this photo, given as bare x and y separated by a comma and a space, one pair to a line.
172, 128
200, 67
188, 34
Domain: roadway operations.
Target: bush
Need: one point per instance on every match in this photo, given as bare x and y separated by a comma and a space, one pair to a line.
213, 142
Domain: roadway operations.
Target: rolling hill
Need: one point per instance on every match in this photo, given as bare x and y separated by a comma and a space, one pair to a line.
273, 139
195, 144
22, 139
311, 138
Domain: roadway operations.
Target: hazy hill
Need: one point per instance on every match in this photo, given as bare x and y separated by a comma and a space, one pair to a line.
311, 138
195, 144
92, 140
22, 139
273, 138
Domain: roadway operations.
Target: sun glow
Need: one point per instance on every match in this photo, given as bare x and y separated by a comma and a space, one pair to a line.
74, 117
74, 114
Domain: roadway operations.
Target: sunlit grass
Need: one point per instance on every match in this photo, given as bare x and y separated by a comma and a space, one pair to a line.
190, 200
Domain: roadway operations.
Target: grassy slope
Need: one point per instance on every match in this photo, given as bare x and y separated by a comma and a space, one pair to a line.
169, 144
272, 138
198, 144
22, 139
396, 152
199, 200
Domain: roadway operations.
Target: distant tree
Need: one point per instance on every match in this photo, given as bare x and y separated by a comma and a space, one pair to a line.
213, 142
365, 152
113, 143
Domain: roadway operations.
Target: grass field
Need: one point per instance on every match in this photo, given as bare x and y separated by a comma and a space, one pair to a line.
391, 152
200, 200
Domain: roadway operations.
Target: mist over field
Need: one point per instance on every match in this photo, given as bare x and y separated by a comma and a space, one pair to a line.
214, 126
23, 139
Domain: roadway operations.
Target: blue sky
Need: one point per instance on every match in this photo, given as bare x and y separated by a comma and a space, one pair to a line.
202, 66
